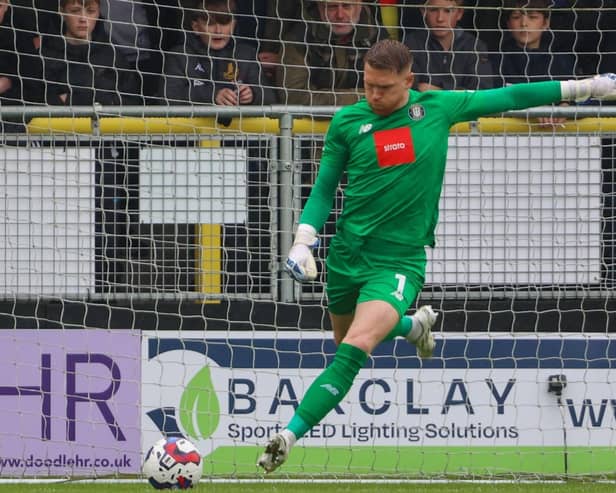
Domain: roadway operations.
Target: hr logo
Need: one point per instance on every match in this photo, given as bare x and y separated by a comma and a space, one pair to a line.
73, 396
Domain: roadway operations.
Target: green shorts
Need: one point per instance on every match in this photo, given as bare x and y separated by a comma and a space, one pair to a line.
357, 273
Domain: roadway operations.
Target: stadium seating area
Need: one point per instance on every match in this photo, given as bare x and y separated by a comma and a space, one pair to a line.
147, 38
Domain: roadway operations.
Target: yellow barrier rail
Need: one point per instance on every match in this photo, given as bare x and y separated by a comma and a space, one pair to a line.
253, 125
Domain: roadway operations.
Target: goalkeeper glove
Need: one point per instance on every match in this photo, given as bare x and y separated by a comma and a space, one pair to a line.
300, 261
599, 87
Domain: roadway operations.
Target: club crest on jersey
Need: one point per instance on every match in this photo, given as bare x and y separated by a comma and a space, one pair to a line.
416, 112
394, 147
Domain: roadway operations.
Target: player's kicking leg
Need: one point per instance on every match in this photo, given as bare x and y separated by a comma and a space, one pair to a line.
276, 451
421, 332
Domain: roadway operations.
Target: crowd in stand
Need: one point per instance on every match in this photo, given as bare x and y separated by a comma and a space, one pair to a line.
310, 52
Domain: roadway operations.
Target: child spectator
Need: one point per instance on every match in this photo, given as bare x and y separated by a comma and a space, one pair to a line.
445, 56
212, 66
81, 67
528, 51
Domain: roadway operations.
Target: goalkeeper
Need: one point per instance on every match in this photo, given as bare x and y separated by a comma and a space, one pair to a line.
393, 147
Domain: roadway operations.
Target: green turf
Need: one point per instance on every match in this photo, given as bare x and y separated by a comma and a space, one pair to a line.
569, 487
419, 462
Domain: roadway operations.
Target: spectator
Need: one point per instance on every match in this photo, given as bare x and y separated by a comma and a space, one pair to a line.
481, 18
281, 19
215, 67
20, 70
445, 56
81, 67
323, 64
528, 54
136, 29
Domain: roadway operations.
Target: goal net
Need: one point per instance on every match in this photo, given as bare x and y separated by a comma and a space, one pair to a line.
142, 292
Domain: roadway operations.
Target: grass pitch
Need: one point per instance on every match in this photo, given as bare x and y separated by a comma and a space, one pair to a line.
286, 487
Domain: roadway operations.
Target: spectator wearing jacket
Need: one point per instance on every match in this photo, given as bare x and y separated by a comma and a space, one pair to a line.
322, 62
213, 67
529, 52
81, 67
445, 56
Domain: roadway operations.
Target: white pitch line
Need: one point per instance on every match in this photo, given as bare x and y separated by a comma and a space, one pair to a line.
299, 481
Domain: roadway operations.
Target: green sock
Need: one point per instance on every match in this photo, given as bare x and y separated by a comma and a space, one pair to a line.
328, 389
402, 329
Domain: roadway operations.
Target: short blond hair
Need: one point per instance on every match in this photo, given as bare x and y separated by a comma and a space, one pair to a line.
389, 54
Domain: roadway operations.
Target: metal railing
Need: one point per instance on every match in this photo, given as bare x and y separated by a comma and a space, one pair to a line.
284, 123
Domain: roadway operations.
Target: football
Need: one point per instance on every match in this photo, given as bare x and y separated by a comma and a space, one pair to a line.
173, 463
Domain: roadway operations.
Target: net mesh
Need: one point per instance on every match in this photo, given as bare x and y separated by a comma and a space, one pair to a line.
141, 288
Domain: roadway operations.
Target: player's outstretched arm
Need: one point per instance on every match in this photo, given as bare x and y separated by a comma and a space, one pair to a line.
470, 105
601, 87
300, 261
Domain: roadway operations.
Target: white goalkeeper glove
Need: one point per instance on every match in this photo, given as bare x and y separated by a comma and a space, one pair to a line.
300, 261
599, 87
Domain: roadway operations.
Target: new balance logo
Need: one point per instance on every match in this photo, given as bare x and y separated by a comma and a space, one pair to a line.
365, 128
330, 388
198, 82
199, 68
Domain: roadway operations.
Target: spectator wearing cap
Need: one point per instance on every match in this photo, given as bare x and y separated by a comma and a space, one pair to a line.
213, 67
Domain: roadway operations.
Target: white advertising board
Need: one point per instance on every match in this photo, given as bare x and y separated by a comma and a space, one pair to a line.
179, 185
47, 207
520, 210
478, 392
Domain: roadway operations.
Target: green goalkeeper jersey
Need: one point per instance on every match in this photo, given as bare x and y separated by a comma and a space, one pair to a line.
395, 164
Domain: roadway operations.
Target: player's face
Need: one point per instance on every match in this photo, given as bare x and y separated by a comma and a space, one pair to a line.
80, 19
526, 27
386, 91
342, 16
215, 29
441, 17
